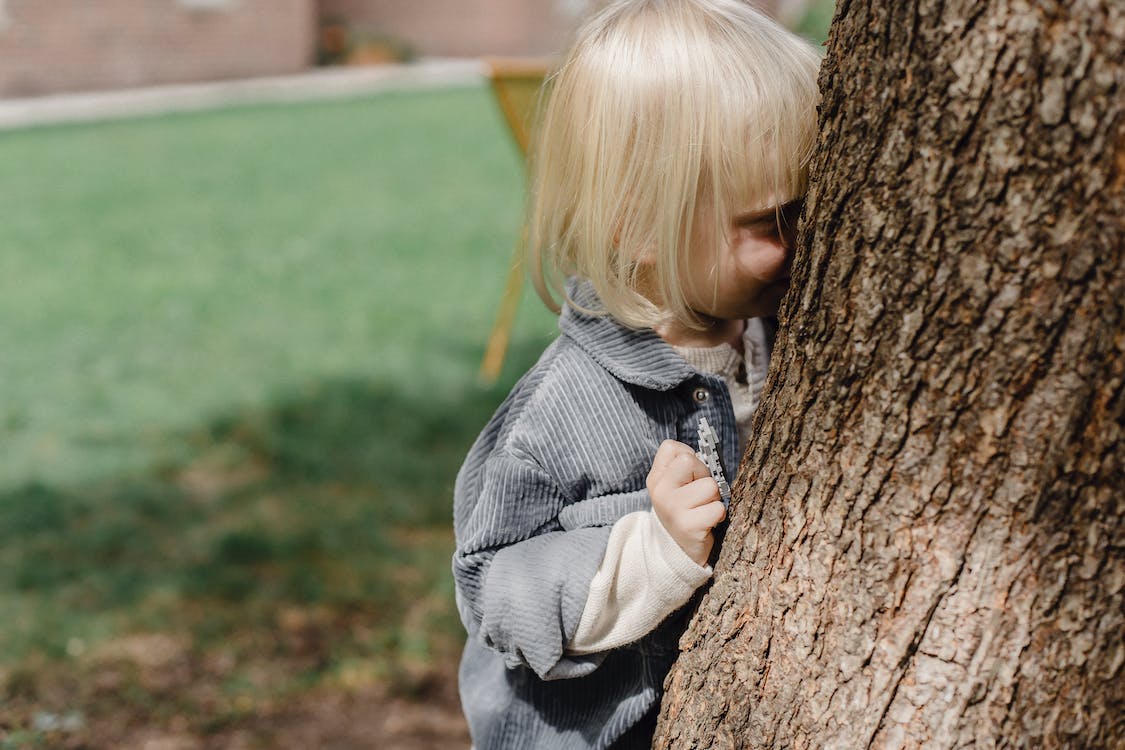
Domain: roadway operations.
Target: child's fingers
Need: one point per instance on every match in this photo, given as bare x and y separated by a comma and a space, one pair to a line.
684, 469
667, 454
699, 492
707, 516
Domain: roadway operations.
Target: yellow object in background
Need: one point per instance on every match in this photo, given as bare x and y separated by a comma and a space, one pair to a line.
516, 83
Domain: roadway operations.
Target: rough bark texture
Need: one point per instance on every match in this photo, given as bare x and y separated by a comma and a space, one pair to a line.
926, 548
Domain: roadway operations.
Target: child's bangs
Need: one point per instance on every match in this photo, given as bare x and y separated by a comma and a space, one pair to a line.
762, 156
762, 121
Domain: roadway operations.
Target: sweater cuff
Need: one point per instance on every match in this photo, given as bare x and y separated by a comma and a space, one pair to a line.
679, 563
642, 579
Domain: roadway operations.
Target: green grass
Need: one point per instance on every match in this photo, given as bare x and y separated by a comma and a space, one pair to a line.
816, 20
239, 354
159, 272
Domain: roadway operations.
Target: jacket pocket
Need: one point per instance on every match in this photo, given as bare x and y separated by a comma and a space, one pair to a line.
604, 510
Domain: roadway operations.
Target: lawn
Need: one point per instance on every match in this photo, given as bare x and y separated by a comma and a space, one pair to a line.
239, 354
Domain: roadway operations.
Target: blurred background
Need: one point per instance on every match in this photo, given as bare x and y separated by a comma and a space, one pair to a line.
240, 342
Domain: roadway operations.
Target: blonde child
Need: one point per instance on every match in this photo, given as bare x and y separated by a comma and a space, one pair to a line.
666, 182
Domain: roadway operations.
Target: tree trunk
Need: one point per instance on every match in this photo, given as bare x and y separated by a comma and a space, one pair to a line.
926, 548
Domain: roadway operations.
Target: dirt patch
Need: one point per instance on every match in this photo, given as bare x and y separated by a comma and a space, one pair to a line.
332, 719
156, 692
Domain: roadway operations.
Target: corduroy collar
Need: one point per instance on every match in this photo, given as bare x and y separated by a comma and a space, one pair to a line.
639, 357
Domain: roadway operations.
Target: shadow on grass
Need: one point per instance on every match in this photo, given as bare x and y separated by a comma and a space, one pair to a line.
317, 531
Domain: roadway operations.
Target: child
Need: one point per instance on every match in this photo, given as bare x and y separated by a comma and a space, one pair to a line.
666, 183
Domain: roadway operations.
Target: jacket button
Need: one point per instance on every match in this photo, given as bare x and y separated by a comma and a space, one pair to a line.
701, 395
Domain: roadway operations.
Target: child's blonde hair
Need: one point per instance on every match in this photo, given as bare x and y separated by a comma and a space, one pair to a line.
667, 119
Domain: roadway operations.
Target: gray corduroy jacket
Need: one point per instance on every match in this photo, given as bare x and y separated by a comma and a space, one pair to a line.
564, 457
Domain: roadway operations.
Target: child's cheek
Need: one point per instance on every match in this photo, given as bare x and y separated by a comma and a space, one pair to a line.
764, 259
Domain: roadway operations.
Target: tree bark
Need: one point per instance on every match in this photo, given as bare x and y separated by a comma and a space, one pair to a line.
926, 546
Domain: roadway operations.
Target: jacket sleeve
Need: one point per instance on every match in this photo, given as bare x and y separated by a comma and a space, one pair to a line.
522, 581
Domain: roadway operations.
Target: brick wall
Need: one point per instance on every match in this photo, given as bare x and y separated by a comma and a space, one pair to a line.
49, 46
474, 27
458, 28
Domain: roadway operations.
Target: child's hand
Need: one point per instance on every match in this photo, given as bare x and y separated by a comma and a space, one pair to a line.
685, 498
